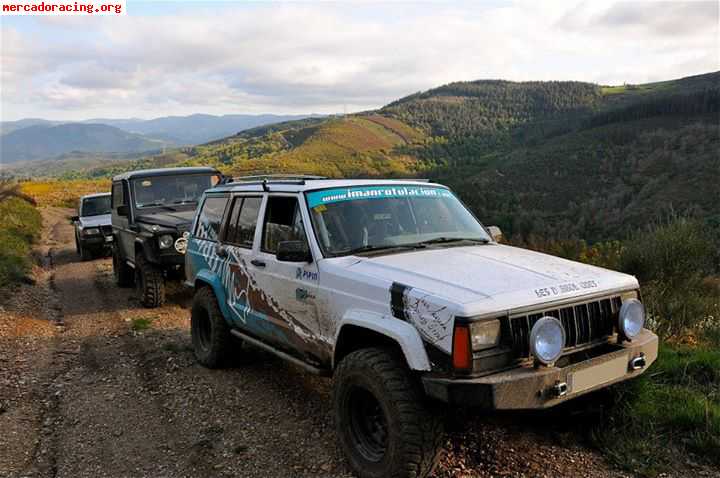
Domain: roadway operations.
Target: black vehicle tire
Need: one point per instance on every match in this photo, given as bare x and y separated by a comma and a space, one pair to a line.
124, 274
385, 425
85, 253
149, 283
211, 339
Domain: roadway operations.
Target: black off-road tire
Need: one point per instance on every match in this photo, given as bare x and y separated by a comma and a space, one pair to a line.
378, 379
149, 283
124, 274
85, 253
211, 339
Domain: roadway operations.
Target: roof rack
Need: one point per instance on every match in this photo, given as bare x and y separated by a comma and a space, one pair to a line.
265, 179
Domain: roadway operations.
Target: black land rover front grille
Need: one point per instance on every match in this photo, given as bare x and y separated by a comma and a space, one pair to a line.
584, 323
106, 230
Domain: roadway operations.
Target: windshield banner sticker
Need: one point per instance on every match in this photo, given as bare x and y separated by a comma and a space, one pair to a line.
329, 196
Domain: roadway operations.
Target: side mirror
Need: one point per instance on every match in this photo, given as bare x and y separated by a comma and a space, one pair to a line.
293, 251
74, 219
495, 233
122, 210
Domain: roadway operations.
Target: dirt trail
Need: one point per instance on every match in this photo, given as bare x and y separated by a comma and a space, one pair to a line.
87, 389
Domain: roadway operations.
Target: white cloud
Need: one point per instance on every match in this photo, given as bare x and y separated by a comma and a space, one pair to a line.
319, 57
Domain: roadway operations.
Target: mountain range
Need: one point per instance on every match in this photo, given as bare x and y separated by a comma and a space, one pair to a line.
557, 159
37, 139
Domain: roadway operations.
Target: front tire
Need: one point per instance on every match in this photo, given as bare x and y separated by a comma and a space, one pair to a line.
210, 333
124, 274
384, 424
85, 253
149, 282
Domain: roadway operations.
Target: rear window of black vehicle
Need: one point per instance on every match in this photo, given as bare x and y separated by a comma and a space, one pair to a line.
243, 221
208, 224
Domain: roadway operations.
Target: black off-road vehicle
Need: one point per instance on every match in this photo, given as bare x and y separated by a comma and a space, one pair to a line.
151, 211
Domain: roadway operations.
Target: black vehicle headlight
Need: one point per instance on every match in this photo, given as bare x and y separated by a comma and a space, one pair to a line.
547, 340
91, 231
166, 241
484, 334
631, 318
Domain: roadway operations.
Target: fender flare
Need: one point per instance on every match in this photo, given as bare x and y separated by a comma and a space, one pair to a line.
206, 276
401, 332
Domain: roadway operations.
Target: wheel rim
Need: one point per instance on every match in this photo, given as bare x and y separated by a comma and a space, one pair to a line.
368, 424
203, 329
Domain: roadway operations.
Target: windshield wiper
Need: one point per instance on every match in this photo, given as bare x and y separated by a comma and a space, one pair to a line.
370, 248
158, 204
182, 201
444, 240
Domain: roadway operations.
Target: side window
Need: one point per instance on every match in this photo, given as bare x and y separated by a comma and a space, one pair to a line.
208, 224
117, 195
283, 222
243, 221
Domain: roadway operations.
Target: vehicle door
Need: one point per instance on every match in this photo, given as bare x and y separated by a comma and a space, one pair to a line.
289, 289
124, 237
238, 239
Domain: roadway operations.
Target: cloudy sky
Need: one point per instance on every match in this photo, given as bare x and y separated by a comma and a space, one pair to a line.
175, 58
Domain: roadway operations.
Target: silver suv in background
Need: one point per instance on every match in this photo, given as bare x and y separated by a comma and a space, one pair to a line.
93, 228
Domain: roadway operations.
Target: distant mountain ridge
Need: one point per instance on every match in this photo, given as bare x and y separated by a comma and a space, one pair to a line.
27, 140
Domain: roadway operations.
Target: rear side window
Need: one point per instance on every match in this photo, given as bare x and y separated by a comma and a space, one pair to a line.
208, 224
283, 222
243, 221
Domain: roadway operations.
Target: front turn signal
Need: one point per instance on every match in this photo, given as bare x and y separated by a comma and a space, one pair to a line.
462, 350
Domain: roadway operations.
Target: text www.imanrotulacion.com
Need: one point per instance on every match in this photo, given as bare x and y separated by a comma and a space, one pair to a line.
59, 7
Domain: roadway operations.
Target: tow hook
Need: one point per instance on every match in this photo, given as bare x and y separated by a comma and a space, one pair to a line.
560, 389
638, 362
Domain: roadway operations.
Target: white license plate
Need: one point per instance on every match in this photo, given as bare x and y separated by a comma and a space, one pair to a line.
108, 239
598, 374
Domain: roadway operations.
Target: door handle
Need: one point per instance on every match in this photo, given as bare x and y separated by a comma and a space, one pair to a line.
257, 263
221, 250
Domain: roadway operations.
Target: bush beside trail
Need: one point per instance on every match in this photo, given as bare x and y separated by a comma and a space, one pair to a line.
20, 225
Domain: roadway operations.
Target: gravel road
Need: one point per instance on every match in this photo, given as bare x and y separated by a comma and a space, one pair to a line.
87, 389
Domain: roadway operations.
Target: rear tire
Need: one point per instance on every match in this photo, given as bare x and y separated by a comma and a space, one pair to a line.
384, 424
124, 274
211, 339
149, 283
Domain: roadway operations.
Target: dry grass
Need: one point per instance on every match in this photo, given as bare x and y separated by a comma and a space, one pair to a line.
63, 193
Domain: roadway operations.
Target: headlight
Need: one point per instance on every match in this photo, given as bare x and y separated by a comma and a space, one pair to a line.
631, 318
91, 231
484, 335
547, 339
165, 241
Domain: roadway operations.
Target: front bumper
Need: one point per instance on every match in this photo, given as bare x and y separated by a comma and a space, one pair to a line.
531, 387
97, 241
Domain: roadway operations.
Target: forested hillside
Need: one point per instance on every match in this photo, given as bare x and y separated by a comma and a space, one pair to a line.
550, 159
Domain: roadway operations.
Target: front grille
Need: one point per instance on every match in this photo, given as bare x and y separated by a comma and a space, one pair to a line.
584, 324
106, 230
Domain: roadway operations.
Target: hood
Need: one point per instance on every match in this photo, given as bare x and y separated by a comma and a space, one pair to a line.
487, 278
173, 219
95, 221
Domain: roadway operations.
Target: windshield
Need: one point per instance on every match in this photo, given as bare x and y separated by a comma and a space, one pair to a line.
171, 190
95, 206
357, 219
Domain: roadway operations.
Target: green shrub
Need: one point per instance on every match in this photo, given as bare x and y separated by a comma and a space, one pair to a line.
672, 261
20, 226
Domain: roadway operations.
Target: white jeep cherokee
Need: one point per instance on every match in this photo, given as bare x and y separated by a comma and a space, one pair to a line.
396, 290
